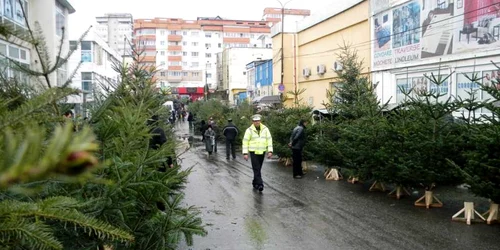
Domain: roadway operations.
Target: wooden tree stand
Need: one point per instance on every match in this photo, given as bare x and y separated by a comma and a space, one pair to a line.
468, 211
333, 174
430, 201
305, 166
286, 161
492, 214
399, 191
377, 186
352, 179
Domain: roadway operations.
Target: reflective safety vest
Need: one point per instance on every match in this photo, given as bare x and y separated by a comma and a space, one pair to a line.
257, 141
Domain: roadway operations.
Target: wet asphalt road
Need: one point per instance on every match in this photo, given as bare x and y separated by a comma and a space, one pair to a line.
313, 213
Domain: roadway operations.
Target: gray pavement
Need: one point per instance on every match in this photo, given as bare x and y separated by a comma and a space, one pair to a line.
313, 213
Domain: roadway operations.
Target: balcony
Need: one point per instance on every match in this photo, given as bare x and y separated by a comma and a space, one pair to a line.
174, 38
236, 40
175, 58
174, 67
174, 79
149, 59
174, 48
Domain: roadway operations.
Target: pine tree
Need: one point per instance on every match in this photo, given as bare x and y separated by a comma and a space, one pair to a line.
39, 148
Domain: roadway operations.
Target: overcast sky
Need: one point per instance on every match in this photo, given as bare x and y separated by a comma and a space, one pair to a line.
87, 10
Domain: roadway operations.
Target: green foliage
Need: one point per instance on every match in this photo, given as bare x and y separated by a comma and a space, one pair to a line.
281, 124
54, 196
481, 153
39, 148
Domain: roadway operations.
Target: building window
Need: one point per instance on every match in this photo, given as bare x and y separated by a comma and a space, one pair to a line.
162, 43
60, 19
184, 43
184, 33
184, 73
194, 43
209, 75
219, 45
162, 73
162, 32
194, 54
208, 55
12, 10
195, 74
174, 73
195, 64
87, 81
184, 53
86, 51
195, 33
162, 53
208, 45
184, 64
208, 35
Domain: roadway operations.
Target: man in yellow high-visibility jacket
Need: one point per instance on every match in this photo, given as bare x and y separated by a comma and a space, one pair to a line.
256, 142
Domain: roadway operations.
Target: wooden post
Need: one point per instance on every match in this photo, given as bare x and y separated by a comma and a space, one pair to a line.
468, 211
333, 174
430, 201
352, 179
399, 191
492, 214
377, 186
305, 166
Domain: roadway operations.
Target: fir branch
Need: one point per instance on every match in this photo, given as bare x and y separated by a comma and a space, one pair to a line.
32, 235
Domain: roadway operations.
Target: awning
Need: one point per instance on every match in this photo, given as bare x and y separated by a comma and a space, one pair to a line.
272, 99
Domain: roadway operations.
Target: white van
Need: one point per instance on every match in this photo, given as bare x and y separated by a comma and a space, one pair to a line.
169, 105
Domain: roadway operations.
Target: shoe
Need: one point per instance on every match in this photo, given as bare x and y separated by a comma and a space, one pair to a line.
227, 158
298, 177
261, 188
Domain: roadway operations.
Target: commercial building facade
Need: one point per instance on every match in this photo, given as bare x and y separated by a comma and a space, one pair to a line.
310, 50
448, 38
234, 69
260, 78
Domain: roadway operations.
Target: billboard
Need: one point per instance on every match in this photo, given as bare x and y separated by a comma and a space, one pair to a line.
422, 29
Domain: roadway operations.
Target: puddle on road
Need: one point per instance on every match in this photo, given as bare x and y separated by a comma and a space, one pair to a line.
256, 232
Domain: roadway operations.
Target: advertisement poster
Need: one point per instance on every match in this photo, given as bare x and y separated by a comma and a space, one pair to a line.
423, 29
383, 36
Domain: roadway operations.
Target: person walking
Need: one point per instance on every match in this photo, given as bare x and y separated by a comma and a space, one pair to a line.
158, 138
297, 143
209, 140
215, 128
256, 141
230, 131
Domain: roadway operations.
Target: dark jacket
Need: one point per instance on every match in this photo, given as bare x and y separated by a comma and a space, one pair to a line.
158, 138
298, 137
230, 131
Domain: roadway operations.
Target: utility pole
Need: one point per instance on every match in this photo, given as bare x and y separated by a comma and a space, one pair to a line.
283, 40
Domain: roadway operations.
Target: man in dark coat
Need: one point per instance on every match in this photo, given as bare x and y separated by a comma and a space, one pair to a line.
230, 131
297, 143
158, 138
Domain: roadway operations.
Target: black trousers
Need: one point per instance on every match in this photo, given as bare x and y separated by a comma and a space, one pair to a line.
257, 161
297, 162
230, 146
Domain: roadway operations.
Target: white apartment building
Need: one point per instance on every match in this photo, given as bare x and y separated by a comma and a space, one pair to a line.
234, 68
185, 52
96, 71
116, 29
52, 17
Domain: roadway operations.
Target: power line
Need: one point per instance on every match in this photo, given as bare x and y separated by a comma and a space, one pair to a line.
369, 42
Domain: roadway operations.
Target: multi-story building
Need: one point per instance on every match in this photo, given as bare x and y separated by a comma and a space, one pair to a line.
260, 78
96, 59
116, 29
234, 69
273, 15
310, 50
52, 17
184, 51
412, 39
